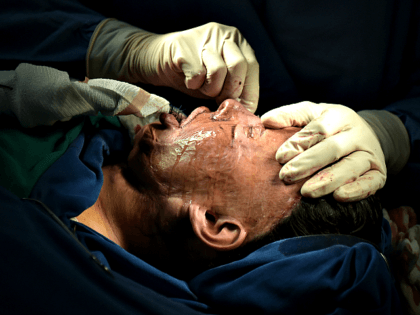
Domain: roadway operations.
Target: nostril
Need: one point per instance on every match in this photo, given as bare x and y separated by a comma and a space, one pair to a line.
225, 111
225, 104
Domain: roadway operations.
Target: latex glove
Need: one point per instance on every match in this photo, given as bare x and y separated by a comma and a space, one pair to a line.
331, 133
212, 60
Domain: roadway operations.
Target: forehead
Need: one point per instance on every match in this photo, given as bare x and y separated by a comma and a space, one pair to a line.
229, 136
226, 148
226, 160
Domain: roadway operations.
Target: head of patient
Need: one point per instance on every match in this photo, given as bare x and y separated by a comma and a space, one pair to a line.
206, 191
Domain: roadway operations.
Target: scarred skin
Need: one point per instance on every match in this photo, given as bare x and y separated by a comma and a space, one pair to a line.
192, 189
222, 160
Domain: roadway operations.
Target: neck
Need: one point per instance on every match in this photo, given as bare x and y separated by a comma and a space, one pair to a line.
128, 217
118, 211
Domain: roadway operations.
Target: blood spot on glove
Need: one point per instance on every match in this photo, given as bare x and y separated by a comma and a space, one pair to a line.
232, 87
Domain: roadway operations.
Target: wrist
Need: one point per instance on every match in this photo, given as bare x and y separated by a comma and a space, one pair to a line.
113, 51
142, 60
392, 136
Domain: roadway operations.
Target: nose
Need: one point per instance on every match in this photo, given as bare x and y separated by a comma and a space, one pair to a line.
228, 109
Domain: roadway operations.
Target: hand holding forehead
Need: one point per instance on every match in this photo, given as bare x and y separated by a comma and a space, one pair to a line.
332, 133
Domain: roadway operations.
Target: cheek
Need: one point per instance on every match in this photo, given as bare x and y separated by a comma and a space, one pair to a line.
163, 160
179, 150
203, 171
177, 166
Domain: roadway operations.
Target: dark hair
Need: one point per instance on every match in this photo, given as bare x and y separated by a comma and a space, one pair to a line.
325, 215
328, 216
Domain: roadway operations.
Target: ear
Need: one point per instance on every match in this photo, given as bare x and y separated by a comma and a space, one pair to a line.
220, 232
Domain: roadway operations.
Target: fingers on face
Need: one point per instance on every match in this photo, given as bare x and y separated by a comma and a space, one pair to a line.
232, 73
347, 170
363, 187
294, 115
227, 71
328, 140
297, 145
351, 179
237, 68
251, 89
307, 163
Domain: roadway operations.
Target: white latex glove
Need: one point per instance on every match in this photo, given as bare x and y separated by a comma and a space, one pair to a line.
212, 60
331, 133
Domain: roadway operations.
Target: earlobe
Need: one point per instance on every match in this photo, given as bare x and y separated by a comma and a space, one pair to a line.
220, 232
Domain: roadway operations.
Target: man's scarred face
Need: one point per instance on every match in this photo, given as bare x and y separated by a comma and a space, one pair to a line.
223, 160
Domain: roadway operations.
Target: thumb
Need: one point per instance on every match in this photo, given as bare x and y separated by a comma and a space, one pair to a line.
294, 115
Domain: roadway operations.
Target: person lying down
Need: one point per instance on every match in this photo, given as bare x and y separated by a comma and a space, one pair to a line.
191, 217
193, 192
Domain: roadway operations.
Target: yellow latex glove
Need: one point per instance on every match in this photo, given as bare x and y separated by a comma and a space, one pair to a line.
209, 61
331, 134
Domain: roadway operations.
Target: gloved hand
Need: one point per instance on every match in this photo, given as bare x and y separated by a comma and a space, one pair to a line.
212, 60
331, 133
